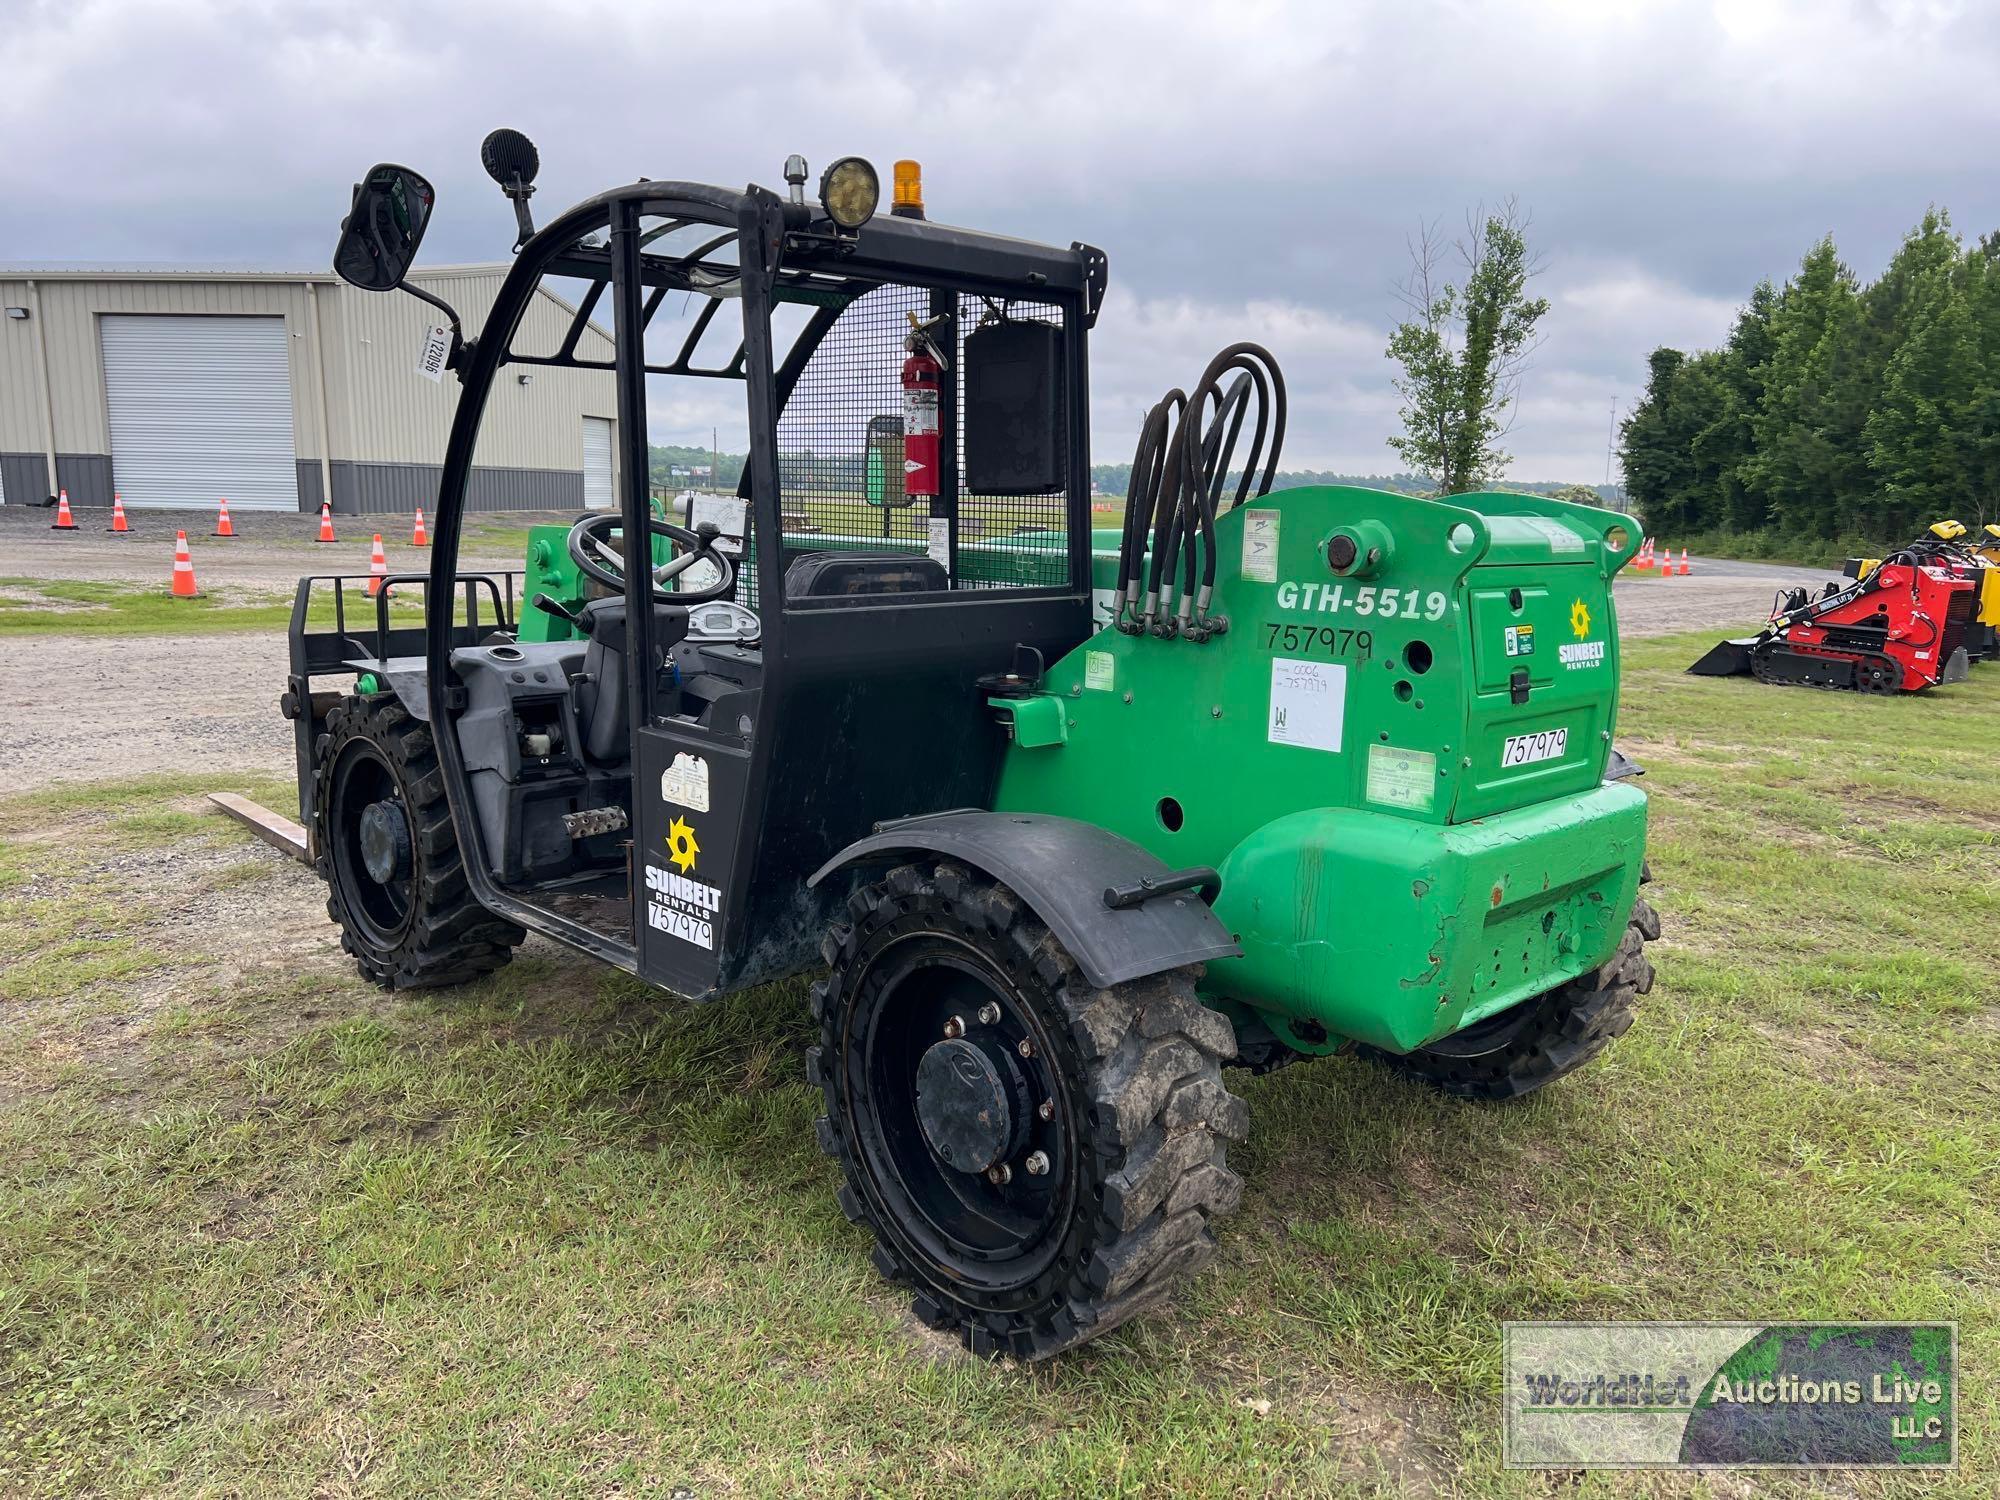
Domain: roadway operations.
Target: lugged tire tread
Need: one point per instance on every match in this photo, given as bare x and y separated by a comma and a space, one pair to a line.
1149, 1049
452, 939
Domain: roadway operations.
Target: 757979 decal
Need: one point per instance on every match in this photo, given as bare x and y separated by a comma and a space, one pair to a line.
1324, 640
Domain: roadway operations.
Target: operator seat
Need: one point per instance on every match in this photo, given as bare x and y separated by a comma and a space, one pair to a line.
602, 703
833, 575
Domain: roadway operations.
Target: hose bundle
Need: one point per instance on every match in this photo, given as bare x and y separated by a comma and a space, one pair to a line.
1186, 445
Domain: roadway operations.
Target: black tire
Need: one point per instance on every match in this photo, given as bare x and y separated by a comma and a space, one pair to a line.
1543, 1039
420, 926
1132, 1122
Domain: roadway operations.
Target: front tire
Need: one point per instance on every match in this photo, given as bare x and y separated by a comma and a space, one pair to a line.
1545, 1038
385, 847
1038, 1160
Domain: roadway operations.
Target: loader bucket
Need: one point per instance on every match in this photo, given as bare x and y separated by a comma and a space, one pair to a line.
1726, 659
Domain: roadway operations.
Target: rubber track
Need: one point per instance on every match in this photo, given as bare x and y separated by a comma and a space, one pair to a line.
1154, 1139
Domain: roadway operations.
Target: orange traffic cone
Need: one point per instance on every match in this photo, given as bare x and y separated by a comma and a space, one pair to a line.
1684, 562
1667, 564
420, 537
118, 521
222, 526
378, 568
64, 521
325, 521
183, 569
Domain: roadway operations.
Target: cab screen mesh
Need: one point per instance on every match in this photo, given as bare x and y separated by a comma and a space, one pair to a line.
840, 452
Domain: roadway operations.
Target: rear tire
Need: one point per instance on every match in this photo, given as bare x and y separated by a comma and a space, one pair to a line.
411, 921
1118, 1092
1542, 1039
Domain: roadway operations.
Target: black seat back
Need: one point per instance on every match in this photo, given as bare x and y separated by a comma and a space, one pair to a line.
602, 702
832, 575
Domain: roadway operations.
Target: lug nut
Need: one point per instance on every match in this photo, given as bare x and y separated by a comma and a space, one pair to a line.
955, 1027
1025, 1047
1046, 1110
989, 1014
1037, 1163
1001, 1175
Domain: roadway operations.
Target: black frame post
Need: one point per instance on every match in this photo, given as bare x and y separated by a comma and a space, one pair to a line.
628, 324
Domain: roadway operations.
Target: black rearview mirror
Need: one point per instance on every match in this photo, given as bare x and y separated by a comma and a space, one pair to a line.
380, 235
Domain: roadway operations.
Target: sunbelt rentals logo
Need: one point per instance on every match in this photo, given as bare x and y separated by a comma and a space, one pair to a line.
678, 904
1581, 652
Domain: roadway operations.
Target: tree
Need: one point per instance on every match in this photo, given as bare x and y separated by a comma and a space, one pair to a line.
1464, 348
1810, 461
1923, 435
1674, 476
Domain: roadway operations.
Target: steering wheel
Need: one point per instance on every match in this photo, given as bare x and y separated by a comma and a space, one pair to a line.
590, 550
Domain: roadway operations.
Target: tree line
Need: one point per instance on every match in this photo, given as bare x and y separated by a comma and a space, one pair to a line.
1837, 414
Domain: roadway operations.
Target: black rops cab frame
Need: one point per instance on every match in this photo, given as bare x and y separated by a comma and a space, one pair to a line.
743, 763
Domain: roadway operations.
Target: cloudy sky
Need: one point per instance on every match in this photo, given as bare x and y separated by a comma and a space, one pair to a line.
1252, 169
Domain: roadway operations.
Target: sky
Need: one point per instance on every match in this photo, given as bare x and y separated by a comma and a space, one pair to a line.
1253, 170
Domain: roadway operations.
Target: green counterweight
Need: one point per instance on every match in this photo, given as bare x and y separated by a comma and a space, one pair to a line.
1397, 769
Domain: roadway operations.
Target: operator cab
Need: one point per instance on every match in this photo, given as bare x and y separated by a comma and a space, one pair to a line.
650, 761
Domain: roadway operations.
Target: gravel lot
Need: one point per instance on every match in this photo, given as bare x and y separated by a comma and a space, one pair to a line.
268, 551
105, 708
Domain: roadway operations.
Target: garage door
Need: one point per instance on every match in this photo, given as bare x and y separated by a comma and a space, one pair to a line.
598, 492
201, 407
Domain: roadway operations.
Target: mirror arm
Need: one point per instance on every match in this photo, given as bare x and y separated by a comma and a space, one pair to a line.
456, 360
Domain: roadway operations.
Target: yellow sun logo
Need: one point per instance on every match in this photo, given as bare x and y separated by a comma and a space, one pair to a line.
1579, 619
681, 847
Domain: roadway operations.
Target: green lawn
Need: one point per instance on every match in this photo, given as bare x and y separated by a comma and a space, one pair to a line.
106, 607
265, 1230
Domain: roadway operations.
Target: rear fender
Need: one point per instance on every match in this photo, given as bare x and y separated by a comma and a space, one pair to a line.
1063, 869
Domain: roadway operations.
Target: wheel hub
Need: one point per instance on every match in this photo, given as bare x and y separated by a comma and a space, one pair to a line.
385, 841
971, 1104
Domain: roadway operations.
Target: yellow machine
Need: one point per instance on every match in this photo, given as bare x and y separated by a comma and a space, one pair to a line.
1952, 544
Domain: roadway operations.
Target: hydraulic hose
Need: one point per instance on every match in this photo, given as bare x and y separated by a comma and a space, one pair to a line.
1141, 500
1186, 445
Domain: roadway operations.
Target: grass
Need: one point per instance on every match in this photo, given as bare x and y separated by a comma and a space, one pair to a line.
266, 1230
107, 607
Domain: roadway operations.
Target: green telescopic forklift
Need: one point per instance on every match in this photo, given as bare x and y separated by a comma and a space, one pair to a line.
1064, 823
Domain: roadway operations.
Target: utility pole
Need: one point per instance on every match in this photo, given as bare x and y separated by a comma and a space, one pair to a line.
1610, 439
715, 459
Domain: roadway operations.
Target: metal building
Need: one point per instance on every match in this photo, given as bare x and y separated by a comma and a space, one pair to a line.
274, 389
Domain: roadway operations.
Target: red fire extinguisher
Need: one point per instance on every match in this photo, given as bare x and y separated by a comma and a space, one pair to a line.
923, 381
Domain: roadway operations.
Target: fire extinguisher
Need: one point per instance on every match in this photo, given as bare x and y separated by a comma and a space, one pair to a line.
923, 382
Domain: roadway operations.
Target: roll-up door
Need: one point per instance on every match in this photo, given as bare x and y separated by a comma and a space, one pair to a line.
598, 491
201, 408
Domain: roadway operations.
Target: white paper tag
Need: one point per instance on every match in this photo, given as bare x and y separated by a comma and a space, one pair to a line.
726, 514
436, 350
1308, 703
685, 782
1260, 546
1100, 671
940, 542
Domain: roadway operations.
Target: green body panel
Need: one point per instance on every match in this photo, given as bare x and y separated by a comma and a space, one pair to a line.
1339, 755
1395, 933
